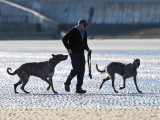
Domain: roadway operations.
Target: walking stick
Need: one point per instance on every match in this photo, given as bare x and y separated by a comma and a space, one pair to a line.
89, 64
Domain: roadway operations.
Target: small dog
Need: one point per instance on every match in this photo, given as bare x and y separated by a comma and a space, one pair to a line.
43, 70
125, 70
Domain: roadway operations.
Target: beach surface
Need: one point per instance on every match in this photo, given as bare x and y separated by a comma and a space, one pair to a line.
80, 113
96, 104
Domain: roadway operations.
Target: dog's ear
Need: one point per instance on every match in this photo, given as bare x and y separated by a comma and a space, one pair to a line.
134, 60
53, 55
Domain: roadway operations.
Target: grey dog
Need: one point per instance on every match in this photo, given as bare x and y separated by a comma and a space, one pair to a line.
43, 70
125, 70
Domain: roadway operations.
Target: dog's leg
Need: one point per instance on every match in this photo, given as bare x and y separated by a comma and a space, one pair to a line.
111, 73
48, 87
104, 80
124, 83
114, 86
50, 79
15, 86
25, 80
50, 84
54, 90
112, 78
135, 82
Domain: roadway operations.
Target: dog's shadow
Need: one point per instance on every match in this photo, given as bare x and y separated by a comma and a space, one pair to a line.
91, 94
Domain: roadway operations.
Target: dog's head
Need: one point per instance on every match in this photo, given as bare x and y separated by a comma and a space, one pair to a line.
136, 63
57, 58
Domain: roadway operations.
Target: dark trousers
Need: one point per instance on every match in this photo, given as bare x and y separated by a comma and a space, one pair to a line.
78, 68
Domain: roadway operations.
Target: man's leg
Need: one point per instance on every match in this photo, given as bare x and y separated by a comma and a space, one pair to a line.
75, 69
80, 75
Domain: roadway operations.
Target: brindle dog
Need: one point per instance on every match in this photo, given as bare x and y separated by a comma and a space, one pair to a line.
125, 70
43, 70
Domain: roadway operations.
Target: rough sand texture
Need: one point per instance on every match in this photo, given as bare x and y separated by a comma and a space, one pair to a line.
80, 113
96, 104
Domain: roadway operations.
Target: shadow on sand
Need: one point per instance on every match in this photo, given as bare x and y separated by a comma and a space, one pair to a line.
90, 94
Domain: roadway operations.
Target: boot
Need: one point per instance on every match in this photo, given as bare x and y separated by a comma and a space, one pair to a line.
79, 90
67, 83
67, 87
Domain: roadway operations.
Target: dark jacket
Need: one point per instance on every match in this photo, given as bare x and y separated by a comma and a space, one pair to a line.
73, 40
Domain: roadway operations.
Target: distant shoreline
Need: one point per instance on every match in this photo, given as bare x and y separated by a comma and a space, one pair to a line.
94, 31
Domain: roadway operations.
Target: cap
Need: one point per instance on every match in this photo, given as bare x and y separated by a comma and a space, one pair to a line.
82, 21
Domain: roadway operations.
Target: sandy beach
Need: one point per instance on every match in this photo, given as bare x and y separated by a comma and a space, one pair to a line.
103, 104
141, 113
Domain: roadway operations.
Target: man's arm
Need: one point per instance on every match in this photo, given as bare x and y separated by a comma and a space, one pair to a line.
66, 38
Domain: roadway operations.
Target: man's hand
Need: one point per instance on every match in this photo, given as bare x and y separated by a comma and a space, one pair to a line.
69, 51
89, 51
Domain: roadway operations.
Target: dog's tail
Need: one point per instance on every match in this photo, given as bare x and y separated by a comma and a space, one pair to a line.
101, 71
8, 71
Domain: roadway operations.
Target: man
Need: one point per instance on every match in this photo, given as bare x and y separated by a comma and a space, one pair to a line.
75, 42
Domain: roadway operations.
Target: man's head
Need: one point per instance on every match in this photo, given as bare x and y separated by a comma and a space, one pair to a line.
82, 24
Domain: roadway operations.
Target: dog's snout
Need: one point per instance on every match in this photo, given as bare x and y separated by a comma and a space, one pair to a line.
138, 64
65, 57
